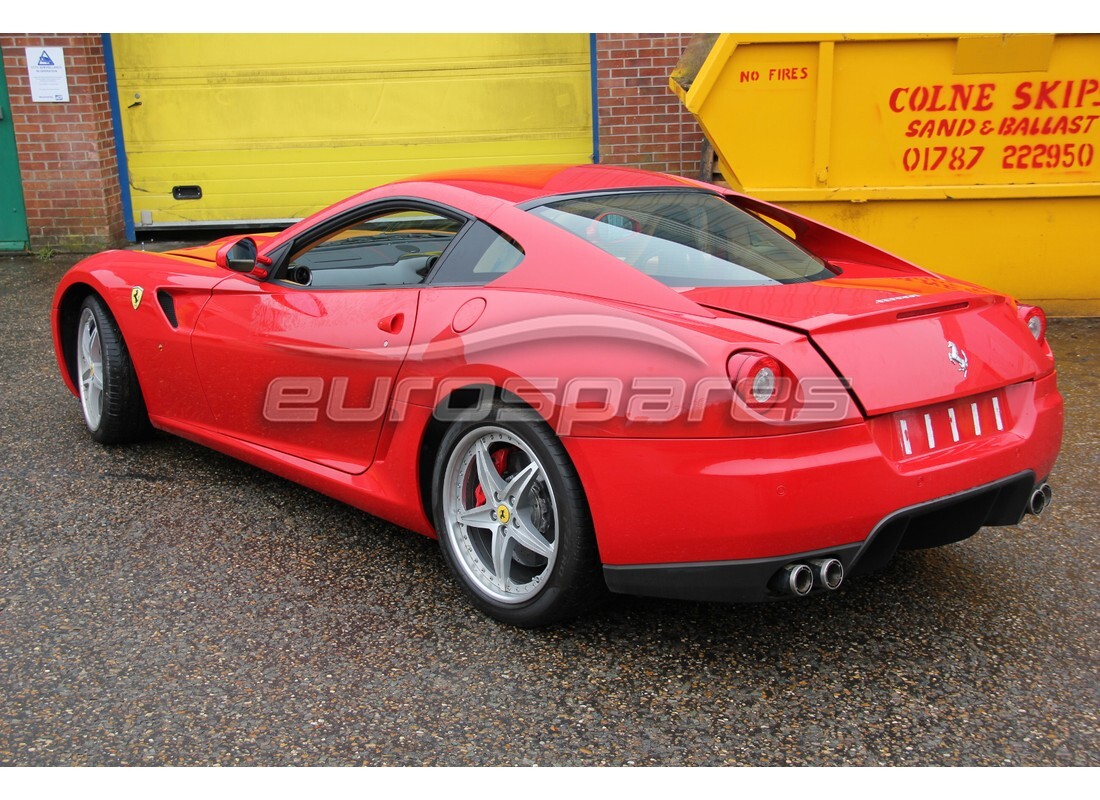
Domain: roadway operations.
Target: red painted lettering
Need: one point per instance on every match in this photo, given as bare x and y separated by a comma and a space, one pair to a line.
895, 99
961, 92
930, 159
1023, 96
1047, 126
1074, 93
1089, 86
1043, 100
939, 98
934, 103
985, 97
788, 73
931, 128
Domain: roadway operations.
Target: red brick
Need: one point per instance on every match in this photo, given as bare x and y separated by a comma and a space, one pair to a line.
641, 121
66, 150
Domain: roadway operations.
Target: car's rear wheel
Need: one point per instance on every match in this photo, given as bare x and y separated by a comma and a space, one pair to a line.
512, 520
110, 396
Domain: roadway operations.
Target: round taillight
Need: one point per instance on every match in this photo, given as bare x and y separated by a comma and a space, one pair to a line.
764, 384
756, 378
1035, 320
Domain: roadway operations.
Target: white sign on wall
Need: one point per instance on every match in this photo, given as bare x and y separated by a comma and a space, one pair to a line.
46, 68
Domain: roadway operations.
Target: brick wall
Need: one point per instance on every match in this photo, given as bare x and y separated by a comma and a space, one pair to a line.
642, 123
66, 150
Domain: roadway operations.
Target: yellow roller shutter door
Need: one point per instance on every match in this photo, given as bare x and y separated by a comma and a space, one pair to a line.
274, 127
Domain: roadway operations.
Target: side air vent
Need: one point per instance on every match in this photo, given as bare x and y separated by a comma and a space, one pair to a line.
168, 306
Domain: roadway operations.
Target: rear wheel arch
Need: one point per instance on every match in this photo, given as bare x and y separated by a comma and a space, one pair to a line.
458, 401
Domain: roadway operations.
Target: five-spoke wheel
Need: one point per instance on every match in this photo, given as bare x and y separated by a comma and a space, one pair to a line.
89, 368
512, 519
110, 397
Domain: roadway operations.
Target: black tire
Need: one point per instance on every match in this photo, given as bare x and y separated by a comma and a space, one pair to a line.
110, 397
541, 534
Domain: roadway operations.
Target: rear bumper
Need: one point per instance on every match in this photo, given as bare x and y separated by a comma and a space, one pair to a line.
681, 511
937, 522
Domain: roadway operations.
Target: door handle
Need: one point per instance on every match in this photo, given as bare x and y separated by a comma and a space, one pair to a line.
392, 323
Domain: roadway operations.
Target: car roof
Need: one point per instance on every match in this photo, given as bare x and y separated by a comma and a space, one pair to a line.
522, 184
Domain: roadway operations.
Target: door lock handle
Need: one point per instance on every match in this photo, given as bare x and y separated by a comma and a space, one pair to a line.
392, 323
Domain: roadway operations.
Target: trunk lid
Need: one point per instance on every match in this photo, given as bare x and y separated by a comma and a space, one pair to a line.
900, 341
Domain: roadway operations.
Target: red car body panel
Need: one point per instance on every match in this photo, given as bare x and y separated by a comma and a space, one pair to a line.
713, 488
332, 337
893, 352
784, 482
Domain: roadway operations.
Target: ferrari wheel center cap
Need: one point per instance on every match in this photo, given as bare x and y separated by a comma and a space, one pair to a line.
503, 514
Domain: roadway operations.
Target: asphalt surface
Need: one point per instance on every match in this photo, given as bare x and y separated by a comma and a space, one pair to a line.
163, 604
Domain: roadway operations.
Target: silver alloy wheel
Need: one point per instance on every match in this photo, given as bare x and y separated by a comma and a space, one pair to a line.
89, 364
505, 539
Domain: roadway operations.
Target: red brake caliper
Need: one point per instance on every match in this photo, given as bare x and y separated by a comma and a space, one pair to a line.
500, 459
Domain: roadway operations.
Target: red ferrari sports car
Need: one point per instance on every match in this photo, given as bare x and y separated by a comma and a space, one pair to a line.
585, 378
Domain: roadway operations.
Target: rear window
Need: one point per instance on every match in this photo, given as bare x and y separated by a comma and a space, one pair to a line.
685, 239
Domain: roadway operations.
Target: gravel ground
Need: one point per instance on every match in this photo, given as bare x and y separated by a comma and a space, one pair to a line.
163, 604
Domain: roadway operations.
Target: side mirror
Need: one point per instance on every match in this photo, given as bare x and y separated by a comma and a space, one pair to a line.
238, 255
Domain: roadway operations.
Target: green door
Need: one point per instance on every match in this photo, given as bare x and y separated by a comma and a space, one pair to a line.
13, 214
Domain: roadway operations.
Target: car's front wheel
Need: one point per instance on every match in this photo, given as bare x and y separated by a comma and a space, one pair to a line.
512, 520
110, 396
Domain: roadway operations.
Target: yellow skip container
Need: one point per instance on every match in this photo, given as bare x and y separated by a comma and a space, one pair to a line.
976, 156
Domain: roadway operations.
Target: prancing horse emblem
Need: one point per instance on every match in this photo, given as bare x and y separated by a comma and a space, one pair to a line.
135, 296
957, 356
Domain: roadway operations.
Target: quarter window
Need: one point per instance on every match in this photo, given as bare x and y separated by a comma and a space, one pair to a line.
482, 255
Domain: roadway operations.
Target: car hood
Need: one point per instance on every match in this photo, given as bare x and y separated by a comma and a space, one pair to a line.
901, 342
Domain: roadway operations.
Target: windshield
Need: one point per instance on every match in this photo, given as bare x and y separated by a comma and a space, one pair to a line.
686, 239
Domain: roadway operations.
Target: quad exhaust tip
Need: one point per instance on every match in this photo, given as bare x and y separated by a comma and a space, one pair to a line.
1040, 499
800, 579
828, 573
796, 579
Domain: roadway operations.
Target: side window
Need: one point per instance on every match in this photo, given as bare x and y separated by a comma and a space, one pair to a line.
393, 248
482, 254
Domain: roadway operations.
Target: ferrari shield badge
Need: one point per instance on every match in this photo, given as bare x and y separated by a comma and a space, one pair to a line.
135, 296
